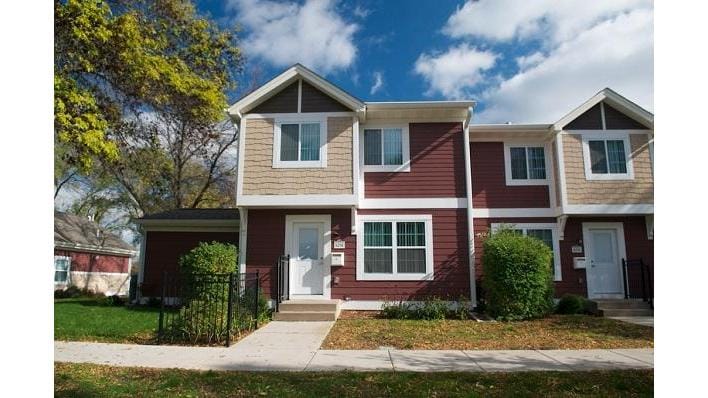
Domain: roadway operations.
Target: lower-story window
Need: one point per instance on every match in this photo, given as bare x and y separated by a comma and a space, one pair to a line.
547, 234
395, 247
61, 270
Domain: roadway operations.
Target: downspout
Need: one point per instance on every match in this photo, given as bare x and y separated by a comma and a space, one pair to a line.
470, 216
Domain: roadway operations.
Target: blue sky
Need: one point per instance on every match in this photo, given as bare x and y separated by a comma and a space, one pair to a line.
524, 61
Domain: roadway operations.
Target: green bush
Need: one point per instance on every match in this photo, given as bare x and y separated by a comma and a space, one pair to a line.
210, 258
572, 304
517, 276
431, 308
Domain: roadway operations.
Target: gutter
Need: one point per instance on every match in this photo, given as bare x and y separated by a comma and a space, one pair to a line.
470, 216
93, 249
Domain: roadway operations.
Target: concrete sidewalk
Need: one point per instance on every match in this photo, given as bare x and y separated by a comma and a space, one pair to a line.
294, 346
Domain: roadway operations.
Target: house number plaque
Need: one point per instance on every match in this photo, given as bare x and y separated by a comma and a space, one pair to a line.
339, 244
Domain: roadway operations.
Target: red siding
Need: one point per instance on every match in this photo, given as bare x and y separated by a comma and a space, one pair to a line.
489, 189
266, 240
451, 270
163, 250
636, 242
437, 166
94, 262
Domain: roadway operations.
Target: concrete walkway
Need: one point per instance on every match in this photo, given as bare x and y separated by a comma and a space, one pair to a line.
294, 346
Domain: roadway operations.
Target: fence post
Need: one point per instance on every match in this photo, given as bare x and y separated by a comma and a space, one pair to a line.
230, 310
625, 283
162, 308
258, 283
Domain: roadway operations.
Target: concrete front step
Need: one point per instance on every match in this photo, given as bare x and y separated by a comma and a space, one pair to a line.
309, 316
622, 304
607, 312
308, 310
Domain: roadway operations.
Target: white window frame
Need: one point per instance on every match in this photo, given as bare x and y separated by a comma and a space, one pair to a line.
607, 136
554, 234
294, 164
528, 181
405, 143
427, 219
68, 270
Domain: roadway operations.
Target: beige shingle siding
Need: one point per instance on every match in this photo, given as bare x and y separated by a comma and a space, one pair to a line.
581, 191
260, 178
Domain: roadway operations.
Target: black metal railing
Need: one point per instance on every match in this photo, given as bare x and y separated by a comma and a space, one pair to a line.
283, 280
637, 281
208, 308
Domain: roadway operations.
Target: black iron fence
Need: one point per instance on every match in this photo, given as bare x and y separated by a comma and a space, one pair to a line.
208, 308
283, 280
637, 280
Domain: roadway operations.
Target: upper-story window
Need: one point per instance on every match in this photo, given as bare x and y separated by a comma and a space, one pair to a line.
385, 148
299, 144
525, 164
607, 158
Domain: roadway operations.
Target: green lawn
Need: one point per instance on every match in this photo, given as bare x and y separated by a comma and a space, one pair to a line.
83, 380
555, 332
86, 319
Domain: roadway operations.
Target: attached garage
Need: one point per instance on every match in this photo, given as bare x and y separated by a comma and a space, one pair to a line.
169, 235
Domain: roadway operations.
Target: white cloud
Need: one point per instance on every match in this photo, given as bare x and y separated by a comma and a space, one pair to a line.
286, 32
361, 12
378, 83
527, 61
616, 53
553, 20
455, 71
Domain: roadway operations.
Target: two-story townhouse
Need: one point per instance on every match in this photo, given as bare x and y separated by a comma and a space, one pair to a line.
376, 201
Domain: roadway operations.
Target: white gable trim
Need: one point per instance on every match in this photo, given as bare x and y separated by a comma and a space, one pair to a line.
283, 80
617, 101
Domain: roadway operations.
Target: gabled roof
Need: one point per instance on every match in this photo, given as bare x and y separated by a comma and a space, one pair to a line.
281, 81
617, 101
77, 232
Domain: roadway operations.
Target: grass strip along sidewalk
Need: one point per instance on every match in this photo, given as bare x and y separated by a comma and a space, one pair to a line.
555, 332
72, 380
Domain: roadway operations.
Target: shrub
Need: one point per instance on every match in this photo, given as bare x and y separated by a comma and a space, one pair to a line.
572, 304
397, 310
517, 276
462, 309
431, 309
201, 264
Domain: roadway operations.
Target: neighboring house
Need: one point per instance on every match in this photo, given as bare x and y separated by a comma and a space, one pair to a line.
168, 235
378, 201
89, 258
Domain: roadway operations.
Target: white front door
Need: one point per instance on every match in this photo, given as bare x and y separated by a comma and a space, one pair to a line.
307, 258
604, 272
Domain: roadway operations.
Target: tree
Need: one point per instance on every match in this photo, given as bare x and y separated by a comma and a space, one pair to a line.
118, 56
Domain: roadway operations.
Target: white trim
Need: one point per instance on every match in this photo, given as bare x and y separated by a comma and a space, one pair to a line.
470, 209
357, 183
427, 219
242, 239
514, 213
561, 171
561, 220
121, 274
420, 104
299, 96
595, 136
297, 116
554, 235
299, 119
241, 159
141, 259
414, 203
297, 200
528, 181
642, 208
195, 228
326, 220
602, 115
621, 249
405, 148
94, 249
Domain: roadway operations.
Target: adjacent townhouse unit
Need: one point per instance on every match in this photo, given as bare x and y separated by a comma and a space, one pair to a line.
377, 201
